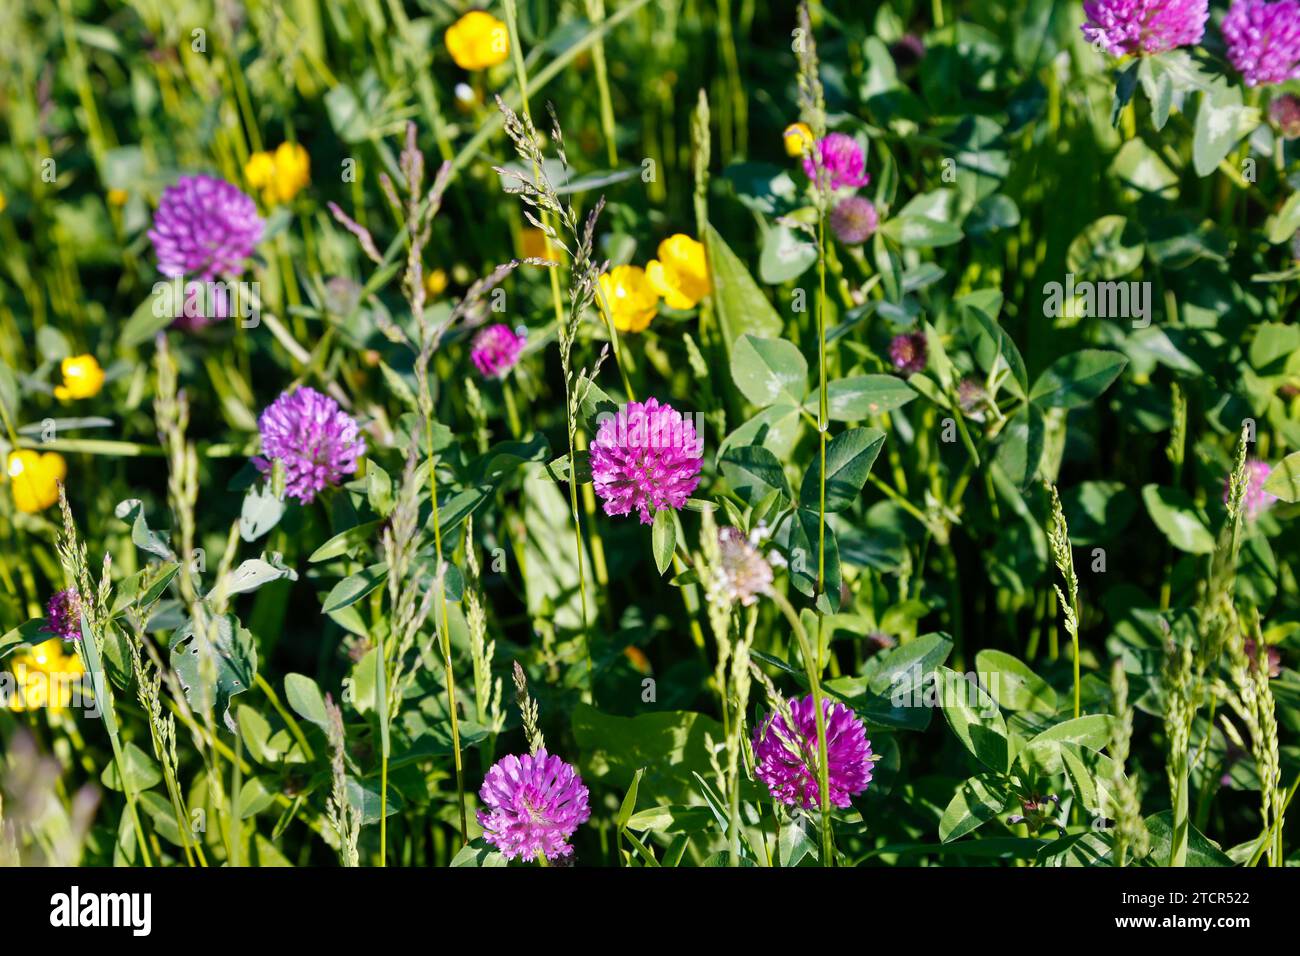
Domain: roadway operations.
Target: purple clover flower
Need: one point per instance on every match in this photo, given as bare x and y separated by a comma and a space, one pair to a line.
785, 759
1285, 113
854, 220
318, 442
495, 350
1264, 40
647, 457
63, 615
840, 159
534, 804
1144, 26
909, 352
1257, 500
204, 227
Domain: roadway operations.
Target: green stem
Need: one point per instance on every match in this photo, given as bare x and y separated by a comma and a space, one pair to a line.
812, 666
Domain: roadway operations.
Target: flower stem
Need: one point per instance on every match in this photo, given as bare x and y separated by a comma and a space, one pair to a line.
812, 666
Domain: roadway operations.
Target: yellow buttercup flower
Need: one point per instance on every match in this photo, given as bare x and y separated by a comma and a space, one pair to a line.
680, 274
477, 41
630, 298
3, 202
35, 478
118, 197
44, 677
532, 243
280, 175
435, 282
82, 378
798, 139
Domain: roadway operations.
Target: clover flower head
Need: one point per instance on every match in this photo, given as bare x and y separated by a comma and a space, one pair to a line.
318, 442
1123, 27
785, 756
838, 158
1285, 114
909, 352
204, 227
495, 350
648, 457
534, 803
1264, 40
63, 615
854, 220
742, 574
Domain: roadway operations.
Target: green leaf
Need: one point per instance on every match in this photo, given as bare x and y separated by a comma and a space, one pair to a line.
1098, 510
141, 771
251, 575
754, 472
862, 396
24, 635
131, 511
1105, 248
921, 232
354, 587
477, 853
804, 543
1082, 780
1282, 225
976, 802
1201, 851
663, 538
775, 428
365, 799
261, 512
629, 801
1158, 85
345, 541
216, 665
1091, 730
849, 458
1012, 684
741, 305
149, 318
1221, 122
1077, 379
768, 371
1175, 514
306, 699
670, 746
1018, 383
974, 717
785, 256
1020, 449
1283, 481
